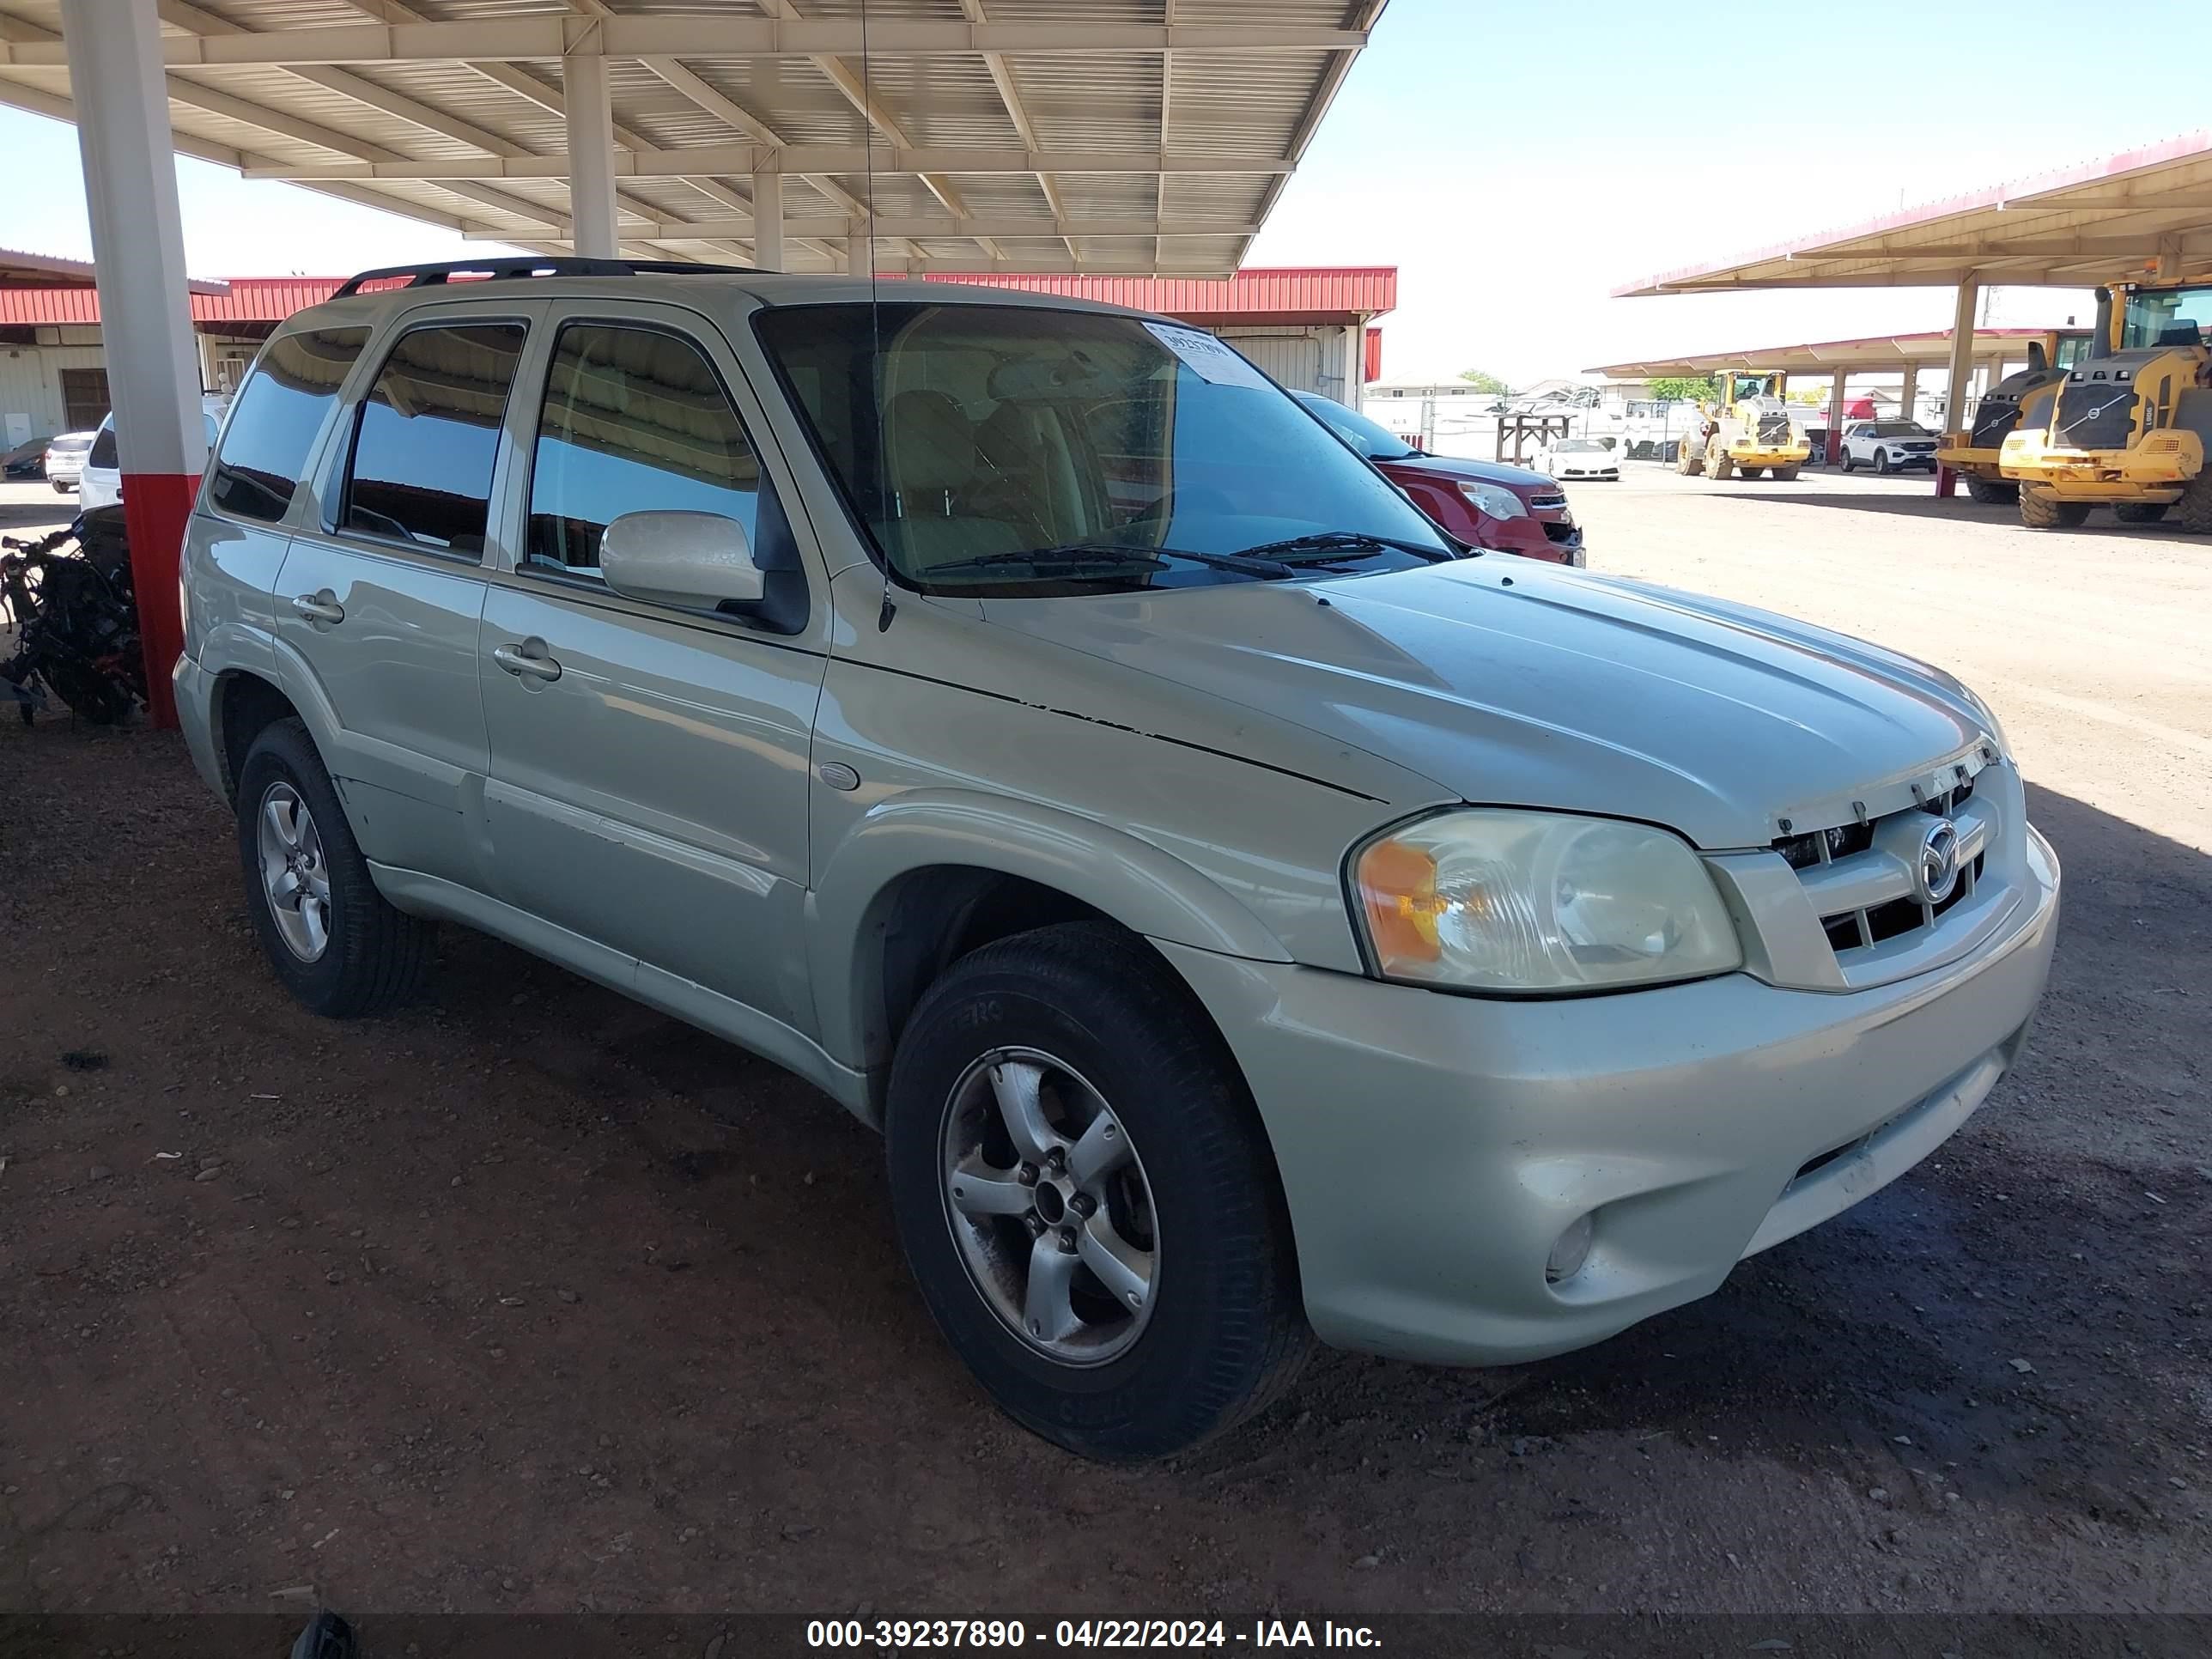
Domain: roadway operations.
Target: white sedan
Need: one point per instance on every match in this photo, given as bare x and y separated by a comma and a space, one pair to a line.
1582, 458
1888, 446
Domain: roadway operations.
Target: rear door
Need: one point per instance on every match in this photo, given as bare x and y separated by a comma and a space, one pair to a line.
379, 602
649, 763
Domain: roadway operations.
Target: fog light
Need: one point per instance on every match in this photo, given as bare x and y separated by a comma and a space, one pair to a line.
1570, 1252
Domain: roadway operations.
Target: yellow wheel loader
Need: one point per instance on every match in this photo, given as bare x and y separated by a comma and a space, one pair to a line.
2130, 427
1748, 431
2022, 399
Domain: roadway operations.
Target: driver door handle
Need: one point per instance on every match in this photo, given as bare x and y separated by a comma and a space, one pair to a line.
512, 659
318, 607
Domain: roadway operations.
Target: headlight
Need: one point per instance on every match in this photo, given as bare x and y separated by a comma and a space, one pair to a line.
1500, 901
1495, 499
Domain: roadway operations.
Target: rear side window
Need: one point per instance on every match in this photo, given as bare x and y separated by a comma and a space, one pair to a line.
279, 412
103, 446
427, 436
634, 420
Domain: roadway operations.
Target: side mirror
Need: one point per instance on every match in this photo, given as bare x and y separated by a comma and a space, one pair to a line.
701, 560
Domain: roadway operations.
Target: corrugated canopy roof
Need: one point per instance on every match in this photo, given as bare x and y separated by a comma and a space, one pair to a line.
2143, 214
19, 270
1825, 358
1127, 135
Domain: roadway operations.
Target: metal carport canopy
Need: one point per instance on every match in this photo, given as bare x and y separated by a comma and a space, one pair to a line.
1868, 355
1146, 136
2141, 214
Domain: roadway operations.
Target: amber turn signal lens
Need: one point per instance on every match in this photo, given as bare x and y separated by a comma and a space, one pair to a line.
1398, 891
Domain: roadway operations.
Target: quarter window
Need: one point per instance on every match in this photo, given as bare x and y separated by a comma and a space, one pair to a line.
279, 413
429, 434
634, 420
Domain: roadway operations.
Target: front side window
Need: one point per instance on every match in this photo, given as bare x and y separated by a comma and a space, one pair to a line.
428, 436
279, 413
634, 420
1026, 449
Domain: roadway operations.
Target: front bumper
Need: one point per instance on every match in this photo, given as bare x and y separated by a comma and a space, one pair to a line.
1433, 1148
1527, 535
2153, 469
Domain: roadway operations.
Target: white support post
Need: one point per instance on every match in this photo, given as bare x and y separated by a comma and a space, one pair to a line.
118, 82
1909, 395
590, 119
1835, 406
1958, 390
1355, 363
768, 221
859, 249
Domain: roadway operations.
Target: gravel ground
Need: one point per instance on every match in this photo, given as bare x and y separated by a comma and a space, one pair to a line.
527, 1298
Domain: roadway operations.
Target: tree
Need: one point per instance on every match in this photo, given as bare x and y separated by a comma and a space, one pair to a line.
1681, 388
1483, 380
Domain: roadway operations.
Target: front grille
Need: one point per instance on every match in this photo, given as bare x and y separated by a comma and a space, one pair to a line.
1994, 421
2097, 413
1551, 503
1861, 876
1774, 431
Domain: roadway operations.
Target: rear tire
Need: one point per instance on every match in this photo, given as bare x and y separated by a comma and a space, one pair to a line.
1785, 475
2139, 512
1754, 471
2039, 511
2193, 512
1069, 1026
1718, 465
1687, 461
1993, 492
340, 948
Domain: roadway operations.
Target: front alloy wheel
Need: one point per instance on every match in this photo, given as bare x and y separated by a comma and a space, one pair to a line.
1049, 1204
294, 878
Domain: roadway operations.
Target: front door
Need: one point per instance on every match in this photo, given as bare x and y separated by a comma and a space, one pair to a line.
379, 605
649, 763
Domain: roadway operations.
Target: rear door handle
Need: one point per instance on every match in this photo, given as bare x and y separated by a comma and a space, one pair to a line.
512, 658
319, 607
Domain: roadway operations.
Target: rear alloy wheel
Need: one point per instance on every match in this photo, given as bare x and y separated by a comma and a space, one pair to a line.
333, 938
1086, 1198
2039, 510
1993, 492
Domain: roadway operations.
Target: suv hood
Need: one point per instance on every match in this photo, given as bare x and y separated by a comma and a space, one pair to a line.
1508, 681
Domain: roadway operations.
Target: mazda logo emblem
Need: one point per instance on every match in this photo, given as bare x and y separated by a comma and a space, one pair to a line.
1938, 871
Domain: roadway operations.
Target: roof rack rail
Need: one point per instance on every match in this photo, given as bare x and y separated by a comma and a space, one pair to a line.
431, 276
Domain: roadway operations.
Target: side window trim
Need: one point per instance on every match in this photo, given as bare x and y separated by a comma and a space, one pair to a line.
334, 467
777, 534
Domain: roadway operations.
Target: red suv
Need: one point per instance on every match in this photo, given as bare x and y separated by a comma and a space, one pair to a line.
1509, 508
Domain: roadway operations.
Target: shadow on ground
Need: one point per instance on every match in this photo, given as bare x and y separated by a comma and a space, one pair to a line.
528, 1298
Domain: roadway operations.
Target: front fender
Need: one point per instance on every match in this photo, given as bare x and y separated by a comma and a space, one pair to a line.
1141, 887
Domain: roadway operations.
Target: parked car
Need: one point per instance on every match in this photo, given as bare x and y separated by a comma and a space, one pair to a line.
1508, 509
1889, 445
25, 460
65, 460
1581, 458
1247, 915
101, 483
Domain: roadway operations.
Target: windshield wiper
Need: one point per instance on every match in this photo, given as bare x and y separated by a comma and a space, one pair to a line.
1324, 547
1114, 555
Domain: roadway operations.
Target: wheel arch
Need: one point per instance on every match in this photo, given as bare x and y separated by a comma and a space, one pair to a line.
246, 705
924, 879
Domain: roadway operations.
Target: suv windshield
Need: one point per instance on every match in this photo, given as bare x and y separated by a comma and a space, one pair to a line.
1579, 446
1030, 449
1898, 430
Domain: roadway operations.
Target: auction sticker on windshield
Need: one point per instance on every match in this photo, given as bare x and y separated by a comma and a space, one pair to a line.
1208, 358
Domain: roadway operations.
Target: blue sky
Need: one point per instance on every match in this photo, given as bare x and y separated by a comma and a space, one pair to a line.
1516, 163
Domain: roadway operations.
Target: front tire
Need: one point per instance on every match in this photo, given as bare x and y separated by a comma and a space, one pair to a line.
2039, 511
2139, 512
1086, 1198
1850, 465
1785, 474
2193, 512
1993, 492
1881, 466
329, 935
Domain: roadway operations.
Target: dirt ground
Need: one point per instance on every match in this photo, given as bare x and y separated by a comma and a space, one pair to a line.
528, 1298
